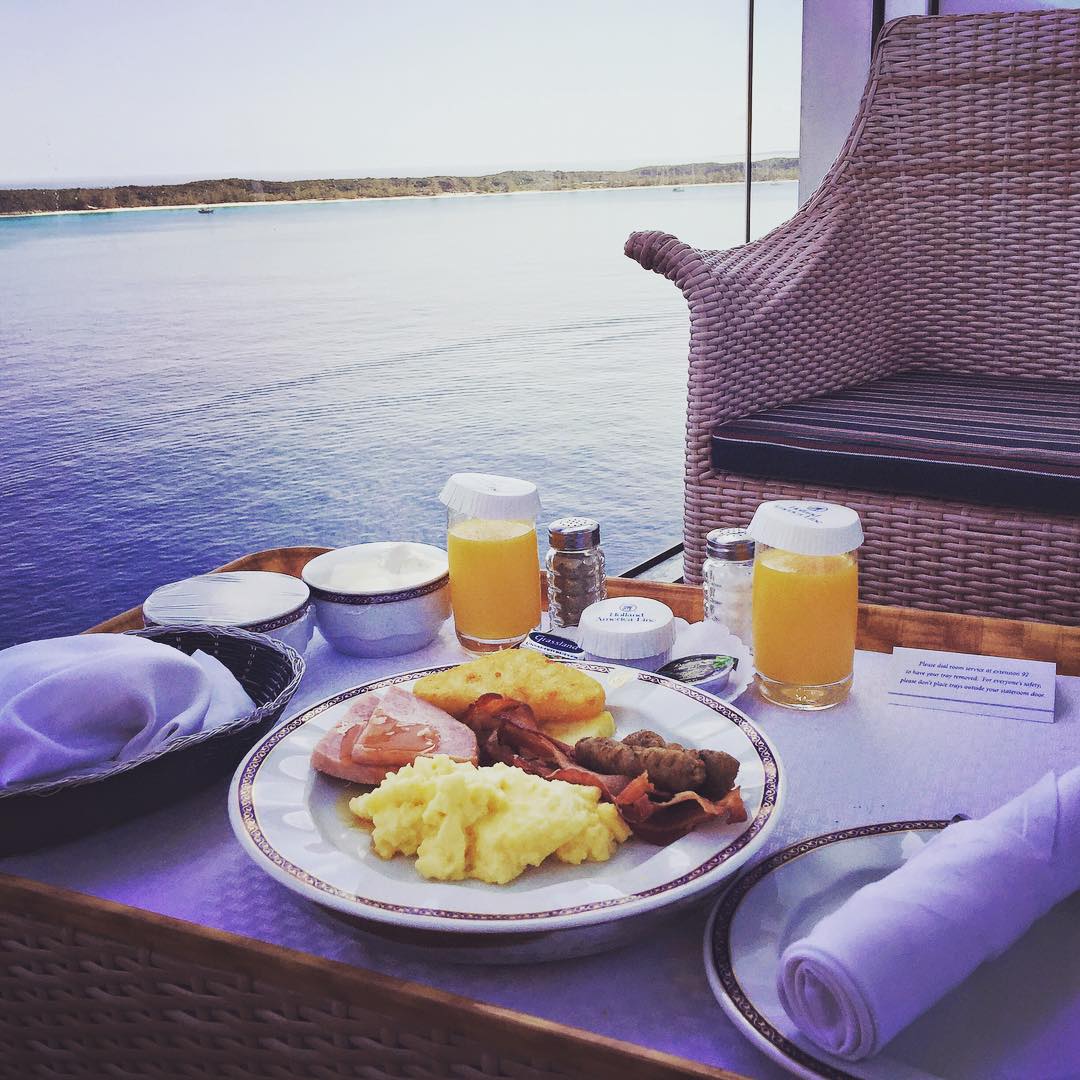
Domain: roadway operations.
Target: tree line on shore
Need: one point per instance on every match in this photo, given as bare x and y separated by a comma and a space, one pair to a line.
209, 192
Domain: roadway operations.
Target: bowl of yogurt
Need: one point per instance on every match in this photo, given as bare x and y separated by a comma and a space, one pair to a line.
381, 599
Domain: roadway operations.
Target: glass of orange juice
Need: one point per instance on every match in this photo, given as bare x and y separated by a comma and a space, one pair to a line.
494, 559
805, 601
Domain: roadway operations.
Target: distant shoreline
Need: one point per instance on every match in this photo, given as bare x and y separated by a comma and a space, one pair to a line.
234, 191
248, 202
376, 198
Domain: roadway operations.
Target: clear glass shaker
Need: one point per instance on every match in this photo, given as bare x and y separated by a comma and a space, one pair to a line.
575, 569
728, 581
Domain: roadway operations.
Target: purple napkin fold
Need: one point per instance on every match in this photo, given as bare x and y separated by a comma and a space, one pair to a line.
70, 703
897, 946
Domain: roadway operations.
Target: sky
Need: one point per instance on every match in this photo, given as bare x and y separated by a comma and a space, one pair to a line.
151, 90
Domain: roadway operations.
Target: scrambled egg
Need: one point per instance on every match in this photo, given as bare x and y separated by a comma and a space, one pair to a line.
600, 726
489, 823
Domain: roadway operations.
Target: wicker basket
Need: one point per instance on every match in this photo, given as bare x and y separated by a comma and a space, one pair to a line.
43, 812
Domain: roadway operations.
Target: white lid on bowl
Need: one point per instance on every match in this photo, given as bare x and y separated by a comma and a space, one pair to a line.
383, 566
236, 598
806, 527
491, 498
626, 628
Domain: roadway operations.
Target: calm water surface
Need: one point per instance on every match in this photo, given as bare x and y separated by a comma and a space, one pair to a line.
178, 389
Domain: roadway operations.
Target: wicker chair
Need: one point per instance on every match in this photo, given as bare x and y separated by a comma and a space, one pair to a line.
942, 246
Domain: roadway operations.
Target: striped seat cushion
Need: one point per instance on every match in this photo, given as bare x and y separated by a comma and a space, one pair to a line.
984, 439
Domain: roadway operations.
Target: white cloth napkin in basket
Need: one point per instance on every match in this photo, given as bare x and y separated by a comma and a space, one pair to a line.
74, 702
895, 947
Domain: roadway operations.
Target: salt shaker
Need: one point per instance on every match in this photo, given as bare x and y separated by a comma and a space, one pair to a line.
575, 569
727, 580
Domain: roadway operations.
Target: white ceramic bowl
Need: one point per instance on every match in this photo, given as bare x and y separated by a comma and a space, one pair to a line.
256, 600
380, 599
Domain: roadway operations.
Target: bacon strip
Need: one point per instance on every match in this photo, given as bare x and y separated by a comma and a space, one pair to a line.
610, 784
506, 731
661, 822
487, 713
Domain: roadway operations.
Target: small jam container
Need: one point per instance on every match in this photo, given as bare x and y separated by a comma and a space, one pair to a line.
633, 631
380, 599
264, 603
710, 672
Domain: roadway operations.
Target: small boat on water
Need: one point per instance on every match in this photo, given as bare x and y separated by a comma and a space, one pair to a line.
678, 189
206, 209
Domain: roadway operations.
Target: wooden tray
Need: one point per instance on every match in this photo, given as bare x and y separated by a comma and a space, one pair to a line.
881, 628
93, 988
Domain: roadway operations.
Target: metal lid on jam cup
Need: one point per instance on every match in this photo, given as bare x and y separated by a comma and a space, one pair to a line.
806, 527
490, 497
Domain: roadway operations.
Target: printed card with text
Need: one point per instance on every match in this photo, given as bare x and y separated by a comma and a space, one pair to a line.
980, 685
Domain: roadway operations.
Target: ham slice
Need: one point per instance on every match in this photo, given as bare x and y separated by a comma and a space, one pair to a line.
380, 733
333, 752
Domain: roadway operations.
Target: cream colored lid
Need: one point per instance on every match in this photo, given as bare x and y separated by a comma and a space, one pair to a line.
626, 628
806, 527
374, 568
491, 498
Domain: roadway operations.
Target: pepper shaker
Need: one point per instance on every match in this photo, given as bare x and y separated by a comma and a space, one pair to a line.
575, 569
727, 581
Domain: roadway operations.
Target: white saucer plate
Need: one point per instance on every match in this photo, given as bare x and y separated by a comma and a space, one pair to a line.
1015, 1018
295, 824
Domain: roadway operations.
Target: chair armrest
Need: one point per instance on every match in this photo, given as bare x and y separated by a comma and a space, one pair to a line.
802, 311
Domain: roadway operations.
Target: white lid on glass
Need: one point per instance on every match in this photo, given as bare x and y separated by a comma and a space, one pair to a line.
236, 598
493, 498
806, 527
626, 628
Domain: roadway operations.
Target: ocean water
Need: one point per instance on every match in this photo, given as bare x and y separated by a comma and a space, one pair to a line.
179, 389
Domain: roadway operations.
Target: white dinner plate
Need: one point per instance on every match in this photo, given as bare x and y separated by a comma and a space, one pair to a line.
1016, 1017
295, 824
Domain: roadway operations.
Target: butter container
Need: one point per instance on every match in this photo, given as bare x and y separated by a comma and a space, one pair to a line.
553, 646
257, 600
633, 631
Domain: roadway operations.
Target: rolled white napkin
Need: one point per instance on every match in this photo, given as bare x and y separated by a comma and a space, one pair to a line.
895, 947
74, 702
